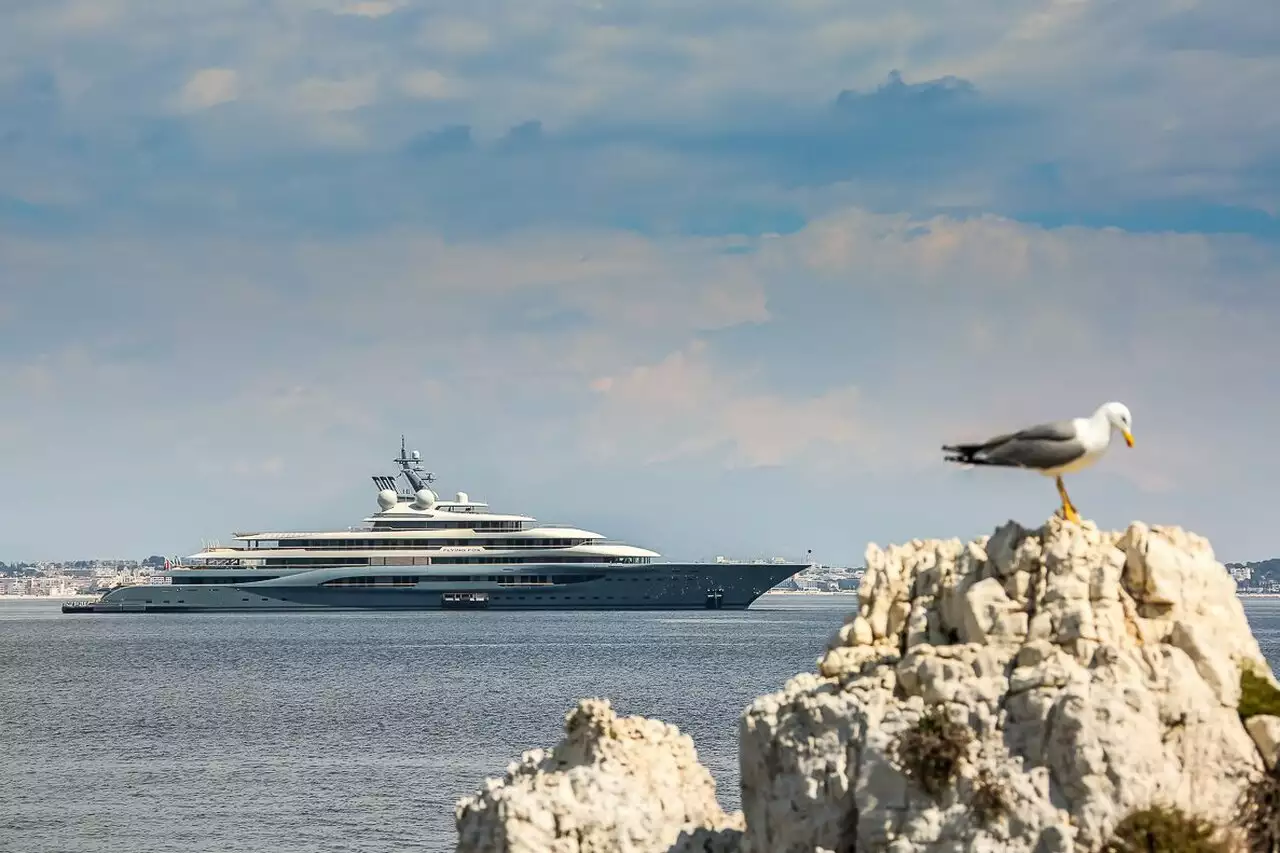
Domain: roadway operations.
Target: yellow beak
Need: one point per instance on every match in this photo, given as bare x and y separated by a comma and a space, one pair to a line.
1128, 437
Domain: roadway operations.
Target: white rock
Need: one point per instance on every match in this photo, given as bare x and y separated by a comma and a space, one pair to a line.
1118, 689
986, 610
1214, 666
1265, 731
629, 785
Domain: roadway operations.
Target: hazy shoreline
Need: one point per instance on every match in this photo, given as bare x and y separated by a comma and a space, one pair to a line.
804, 592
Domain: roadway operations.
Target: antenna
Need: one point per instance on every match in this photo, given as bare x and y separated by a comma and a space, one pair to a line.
411, 468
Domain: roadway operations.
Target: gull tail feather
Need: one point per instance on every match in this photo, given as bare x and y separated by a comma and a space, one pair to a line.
967, 456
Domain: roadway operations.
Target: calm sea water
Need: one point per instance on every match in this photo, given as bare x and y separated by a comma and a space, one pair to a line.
283, 733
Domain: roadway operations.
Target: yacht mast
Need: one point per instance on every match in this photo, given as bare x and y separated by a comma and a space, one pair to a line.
411, 467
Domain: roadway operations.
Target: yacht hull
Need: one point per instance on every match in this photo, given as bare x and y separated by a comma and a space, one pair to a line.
657, 586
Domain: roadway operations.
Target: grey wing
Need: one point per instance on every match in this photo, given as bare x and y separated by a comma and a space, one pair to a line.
1048, 445
1052, 431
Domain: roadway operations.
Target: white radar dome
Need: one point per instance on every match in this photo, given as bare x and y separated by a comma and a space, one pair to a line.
462, 497
424, 499
387, 498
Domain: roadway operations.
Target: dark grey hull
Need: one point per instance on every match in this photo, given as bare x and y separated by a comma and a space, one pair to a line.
669, 586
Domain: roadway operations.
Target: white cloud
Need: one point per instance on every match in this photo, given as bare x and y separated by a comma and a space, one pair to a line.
429, 84
86, 16
1128, 102
859, 342
208, 88
456, 36
844, 353
370, 9
322, 95
682, 406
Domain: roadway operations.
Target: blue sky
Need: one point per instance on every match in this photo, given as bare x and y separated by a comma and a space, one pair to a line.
715, 278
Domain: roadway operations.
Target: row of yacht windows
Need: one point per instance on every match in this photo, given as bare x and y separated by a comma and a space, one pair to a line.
223, 579
501, 580
429, 524
412, 580
448, 559
335, 544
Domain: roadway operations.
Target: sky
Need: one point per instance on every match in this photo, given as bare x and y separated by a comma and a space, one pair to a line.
717, 279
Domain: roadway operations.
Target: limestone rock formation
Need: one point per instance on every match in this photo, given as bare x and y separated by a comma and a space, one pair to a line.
1265, 730
1098, 672
1092, 674
612, 785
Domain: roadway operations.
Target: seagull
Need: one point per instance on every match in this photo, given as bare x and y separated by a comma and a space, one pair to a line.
1053, 449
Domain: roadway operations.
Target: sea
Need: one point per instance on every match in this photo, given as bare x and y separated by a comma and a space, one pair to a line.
354, 732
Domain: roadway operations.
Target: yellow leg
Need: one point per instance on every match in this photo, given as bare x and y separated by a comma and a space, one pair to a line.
1068, 508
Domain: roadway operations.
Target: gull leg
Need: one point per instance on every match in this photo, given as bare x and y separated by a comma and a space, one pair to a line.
1068, 508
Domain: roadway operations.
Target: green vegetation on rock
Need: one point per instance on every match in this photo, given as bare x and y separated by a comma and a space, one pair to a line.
1164, 829
929, 753
989, 800
1257, 694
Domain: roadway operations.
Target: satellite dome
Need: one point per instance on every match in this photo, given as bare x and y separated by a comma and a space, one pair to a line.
462, 498
386, 498
424, 499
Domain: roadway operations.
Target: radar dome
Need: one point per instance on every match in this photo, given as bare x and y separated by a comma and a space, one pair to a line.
387, 498
424, 499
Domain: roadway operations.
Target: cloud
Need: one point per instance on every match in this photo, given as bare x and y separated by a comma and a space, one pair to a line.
602, 254
316, 94
1058, 114
586, 373
455, 36
370, 9
427, 83
208, 88
682, 407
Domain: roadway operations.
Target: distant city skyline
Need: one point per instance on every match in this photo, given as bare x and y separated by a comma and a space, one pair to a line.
714, 279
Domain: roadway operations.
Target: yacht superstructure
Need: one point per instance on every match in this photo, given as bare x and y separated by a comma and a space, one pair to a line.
418, 552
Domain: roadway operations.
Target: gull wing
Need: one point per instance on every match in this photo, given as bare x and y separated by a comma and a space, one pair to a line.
1043, 446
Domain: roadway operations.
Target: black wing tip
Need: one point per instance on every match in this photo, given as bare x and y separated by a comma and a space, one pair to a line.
970, 459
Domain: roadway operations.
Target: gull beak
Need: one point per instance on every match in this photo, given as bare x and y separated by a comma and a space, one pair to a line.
1128, 437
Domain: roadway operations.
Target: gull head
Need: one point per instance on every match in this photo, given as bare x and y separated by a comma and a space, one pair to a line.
1117, 414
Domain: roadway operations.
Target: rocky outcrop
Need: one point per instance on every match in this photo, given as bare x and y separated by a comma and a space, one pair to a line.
630, 785
1098, 672
1093, 673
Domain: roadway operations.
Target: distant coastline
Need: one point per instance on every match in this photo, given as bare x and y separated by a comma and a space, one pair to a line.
843, 593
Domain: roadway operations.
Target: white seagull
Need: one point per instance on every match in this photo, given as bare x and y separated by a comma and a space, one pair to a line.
1053, 449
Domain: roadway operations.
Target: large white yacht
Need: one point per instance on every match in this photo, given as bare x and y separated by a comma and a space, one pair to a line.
418, 552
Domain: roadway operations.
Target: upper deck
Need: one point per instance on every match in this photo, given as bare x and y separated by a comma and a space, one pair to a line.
412, 520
